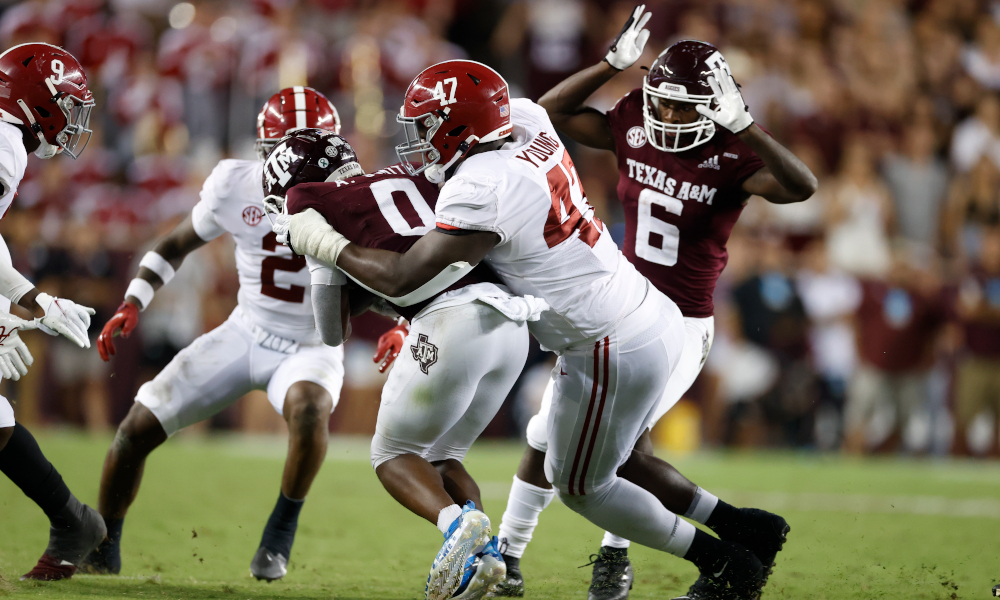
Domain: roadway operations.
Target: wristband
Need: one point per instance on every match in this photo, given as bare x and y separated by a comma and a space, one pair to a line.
159, 265
141, 290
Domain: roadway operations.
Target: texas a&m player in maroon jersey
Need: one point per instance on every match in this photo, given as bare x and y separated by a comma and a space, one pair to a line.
465, 349
689, 157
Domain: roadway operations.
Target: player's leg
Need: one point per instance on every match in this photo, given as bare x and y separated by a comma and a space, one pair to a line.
75, 528
438, 399
304, 389
203, 379
600, 409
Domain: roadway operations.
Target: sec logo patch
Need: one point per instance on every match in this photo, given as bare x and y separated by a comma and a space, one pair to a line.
252, 215
636, 137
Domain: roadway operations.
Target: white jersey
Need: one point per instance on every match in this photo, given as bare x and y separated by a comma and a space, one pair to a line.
274, 283
551, 244
13, 162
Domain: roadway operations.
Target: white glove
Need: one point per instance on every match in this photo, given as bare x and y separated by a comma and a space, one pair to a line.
14, 356
630, 41
732, 113
276, 206
65, 317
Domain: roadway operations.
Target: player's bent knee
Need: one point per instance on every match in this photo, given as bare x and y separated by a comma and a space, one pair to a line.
537, 433
140, 432
307, 405
5, 435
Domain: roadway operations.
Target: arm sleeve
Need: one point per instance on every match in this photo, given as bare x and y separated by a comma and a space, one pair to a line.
203, 215
471, 204
326, 301
13, 285
321, 274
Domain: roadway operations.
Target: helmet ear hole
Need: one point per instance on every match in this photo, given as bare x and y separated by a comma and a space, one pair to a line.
457, 131
44, 113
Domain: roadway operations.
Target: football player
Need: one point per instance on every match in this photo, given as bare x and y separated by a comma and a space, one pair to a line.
467, 344
512, 196
689, 157
45, 108
268, 343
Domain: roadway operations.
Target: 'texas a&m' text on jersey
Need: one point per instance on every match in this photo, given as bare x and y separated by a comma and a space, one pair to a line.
679, 207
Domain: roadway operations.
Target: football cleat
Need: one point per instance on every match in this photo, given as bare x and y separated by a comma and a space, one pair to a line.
482, 573
762, 533
106, 559
467, 536
612, 578
512, 585
50, 569
268, 566
69, 545
737, 575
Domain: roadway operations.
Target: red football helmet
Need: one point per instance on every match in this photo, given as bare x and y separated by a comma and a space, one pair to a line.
44, 88
680, 73
448, 109
293, 108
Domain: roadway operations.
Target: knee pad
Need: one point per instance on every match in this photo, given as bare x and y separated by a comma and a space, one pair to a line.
537, 433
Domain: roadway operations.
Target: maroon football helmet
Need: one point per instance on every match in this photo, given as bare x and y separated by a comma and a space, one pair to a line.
306, 156
680, 73
448, 109
293, 108
44, 88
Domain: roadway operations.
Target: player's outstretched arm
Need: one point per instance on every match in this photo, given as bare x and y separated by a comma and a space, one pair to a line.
564, 102
155, 270
396, 275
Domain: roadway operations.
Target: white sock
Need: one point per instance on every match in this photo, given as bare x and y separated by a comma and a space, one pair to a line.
518, 524
613, 541
635, 514
447, 516
702, 506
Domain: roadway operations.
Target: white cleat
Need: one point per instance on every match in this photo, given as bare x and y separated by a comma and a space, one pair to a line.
467, 537
482, 574
268, 566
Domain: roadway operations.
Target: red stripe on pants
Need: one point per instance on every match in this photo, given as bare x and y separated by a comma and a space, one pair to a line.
586, 422
600, 413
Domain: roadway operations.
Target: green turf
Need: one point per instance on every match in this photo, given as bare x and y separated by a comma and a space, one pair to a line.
860, 529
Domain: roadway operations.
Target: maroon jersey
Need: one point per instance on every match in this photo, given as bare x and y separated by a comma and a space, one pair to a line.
387, 209
679, 207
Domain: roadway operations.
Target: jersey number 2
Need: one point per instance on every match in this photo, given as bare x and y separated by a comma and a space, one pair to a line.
664, 253
270, 264
569, 207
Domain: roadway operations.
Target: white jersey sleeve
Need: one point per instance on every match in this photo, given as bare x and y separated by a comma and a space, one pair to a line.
274, 282
203, 215
552, 245
13, 162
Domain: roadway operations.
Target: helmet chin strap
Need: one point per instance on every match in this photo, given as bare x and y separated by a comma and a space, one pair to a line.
45, 150
436, 173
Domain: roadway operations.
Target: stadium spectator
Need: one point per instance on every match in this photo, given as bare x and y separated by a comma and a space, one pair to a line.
918, 182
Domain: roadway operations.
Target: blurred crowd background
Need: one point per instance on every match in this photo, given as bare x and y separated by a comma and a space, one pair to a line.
865, 319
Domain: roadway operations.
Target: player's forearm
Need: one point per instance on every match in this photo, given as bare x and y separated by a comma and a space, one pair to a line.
327, 303
793, 175
172, 248
386, 272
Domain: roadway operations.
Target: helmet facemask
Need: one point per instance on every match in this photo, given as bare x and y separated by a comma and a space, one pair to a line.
77, 114
670, 137
419, 145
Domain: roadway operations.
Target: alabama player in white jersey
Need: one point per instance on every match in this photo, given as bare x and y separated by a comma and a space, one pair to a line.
45, 108
269, 343
511, 195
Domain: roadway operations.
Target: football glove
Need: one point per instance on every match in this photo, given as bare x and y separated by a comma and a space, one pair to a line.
65, 317
124, 321
630, 41
390, 344
731, 112
275, 206
14, 355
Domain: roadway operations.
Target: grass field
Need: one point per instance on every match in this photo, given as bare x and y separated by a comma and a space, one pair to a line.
860, 529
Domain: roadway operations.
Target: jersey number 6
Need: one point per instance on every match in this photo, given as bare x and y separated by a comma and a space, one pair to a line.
270, 264
648, 226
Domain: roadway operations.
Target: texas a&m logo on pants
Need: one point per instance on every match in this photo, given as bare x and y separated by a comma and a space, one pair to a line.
424, 353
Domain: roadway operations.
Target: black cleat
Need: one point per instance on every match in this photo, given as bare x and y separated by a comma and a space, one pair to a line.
612, 578
737, 575
106, 559
762, 533
512, 585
